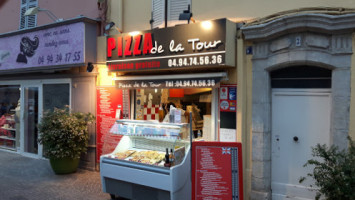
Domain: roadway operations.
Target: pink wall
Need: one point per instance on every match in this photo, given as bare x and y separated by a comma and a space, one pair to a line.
66, 9
9, 15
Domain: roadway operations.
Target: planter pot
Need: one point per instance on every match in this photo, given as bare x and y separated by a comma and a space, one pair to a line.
64, 165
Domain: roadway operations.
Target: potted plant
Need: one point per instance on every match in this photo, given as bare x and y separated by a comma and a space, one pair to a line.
333, 172
64, 135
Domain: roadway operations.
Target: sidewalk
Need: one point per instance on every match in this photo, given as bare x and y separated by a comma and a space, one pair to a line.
23, 178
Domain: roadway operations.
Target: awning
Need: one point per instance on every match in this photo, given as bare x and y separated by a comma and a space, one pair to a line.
199, 80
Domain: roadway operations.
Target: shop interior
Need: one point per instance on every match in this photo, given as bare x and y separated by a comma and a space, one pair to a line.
155, 104
9, 116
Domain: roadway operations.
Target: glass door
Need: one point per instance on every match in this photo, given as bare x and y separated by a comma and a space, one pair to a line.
31, 112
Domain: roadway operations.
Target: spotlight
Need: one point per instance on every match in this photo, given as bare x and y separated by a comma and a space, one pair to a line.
89, 67
186, 15
110, 25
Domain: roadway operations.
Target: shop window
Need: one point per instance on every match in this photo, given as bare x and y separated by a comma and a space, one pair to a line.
55, 96
301, 77
10, 117
173, 9
27, 21
155, 104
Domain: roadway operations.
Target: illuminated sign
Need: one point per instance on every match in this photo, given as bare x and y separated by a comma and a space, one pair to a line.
182, 46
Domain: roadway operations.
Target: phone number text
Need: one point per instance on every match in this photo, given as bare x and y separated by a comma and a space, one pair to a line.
60, 58
195, 60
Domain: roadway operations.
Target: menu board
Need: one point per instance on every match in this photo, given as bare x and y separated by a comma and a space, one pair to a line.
217, 171
109, 108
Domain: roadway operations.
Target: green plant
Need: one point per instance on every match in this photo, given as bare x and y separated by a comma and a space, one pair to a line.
334, 172
64, 134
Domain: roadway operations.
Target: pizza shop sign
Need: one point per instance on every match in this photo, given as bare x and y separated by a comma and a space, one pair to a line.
148, 48
183, 46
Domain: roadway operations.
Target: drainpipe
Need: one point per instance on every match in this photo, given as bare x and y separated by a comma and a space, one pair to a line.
120, 15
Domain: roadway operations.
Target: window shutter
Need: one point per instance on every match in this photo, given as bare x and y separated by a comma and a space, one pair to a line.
22, 17
27, 21
175, 7
32, 19
158, 9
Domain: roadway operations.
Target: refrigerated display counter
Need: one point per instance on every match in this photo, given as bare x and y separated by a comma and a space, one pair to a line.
151, 161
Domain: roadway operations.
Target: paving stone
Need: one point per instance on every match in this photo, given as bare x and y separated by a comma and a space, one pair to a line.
23, 178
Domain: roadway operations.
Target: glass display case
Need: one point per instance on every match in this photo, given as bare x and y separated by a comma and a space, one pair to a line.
151, 161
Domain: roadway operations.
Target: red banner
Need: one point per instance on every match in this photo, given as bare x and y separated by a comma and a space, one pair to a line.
217, 171
109, 102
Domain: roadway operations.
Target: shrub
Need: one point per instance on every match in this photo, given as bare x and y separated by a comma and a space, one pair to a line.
334, 172
64, 134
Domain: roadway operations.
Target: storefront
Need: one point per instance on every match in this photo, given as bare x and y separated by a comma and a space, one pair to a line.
184, 66
182, 70
40, 69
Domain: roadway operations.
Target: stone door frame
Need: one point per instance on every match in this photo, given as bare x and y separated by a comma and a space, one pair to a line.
303, 39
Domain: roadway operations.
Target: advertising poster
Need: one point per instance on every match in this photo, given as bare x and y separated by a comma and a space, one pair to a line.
217, 171
110, 106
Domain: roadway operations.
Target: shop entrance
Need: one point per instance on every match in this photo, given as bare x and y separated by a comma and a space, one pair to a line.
22, 105
156, 104
300, 120
31, 110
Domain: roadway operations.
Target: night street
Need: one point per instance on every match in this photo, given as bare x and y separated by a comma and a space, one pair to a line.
23, 178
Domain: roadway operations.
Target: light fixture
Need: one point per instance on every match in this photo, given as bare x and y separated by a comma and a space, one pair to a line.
35, 10
133, 33
206, 25
186, 15
89, 67
110, 25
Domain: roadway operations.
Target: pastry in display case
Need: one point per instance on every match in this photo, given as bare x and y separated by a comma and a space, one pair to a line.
148, 150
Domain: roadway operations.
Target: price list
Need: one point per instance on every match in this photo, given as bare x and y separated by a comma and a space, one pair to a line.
216, 174
108, 99
212, 173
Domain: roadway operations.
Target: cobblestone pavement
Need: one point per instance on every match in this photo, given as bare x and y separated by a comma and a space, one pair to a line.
23, 178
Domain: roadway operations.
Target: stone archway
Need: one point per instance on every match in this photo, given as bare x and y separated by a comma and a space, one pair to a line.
303, 39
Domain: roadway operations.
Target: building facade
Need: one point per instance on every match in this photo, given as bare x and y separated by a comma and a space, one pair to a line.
292, 70
298, 57
44, 61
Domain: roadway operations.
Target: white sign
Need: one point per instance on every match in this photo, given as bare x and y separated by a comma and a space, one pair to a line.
227, 135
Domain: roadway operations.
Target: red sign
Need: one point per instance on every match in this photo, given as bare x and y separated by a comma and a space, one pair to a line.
217, 171
109, 108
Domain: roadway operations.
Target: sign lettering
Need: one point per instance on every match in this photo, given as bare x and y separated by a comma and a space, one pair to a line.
183, 46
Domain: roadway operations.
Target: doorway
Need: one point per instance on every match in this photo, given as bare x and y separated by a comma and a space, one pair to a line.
31, 115
38, 97
300, 120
